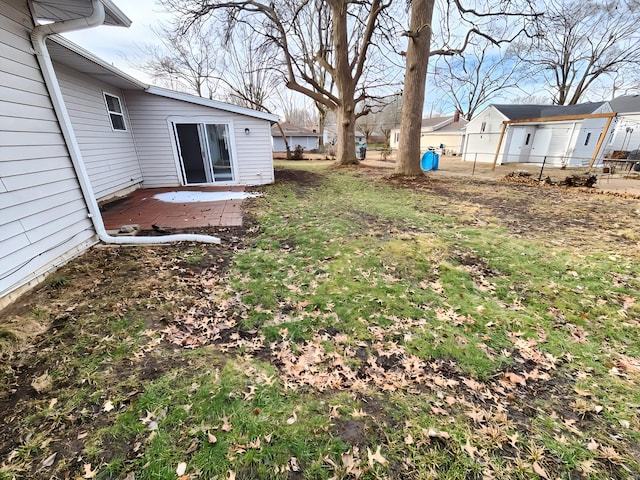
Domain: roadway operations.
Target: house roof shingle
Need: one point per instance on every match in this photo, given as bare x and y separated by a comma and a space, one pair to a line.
626, 104
519, 112
293, 131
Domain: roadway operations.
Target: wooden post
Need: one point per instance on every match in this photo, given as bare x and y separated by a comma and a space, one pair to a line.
495, 159
601, 141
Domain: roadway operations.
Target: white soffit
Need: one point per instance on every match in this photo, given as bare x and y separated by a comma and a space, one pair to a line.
58, 10
67, 53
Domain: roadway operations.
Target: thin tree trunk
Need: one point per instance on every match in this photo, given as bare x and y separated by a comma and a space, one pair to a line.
322, 118
284, 139
415, 80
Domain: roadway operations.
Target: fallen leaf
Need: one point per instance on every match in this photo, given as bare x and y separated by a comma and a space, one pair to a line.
583, 393
375, 457
592, 445
182, 467
130, 476
231, 475
49, 460
88, 473
192, 447
211, 438
293, 419
513, 439
52, 403
470, 449
226, 426
42, 383
295, 466
625, 423
539, 470
108, 406
515, 378
438, 434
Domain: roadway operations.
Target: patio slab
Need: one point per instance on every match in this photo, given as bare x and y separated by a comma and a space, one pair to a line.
143, 209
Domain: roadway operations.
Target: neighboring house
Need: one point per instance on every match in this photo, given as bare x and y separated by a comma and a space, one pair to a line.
331, 135
558, 135
75, 130
306, 138
447, 131
626, 135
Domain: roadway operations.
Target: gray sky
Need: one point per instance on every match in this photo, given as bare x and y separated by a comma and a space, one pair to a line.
117, 44
120, 46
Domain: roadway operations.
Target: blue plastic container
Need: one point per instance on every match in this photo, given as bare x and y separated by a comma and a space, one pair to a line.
429, 161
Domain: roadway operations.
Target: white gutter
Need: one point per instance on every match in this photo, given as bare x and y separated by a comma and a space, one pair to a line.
38, 40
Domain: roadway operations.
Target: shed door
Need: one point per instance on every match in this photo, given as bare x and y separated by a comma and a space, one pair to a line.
540, 147
205, 152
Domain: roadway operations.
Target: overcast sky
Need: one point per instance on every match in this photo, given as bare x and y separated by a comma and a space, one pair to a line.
119, 45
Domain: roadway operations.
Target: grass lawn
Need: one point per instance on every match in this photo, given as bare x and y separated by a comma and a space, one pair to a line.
357, 327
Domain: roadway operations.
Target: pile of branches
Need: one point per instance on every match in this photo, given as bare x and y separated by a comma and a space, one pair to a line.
520, 177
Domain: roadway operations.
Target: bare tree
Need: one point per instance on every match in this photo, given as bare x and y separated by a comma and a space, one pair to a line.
183, 62
472, 79
480, 24
345, 54
367, 124
582, 42
246, 72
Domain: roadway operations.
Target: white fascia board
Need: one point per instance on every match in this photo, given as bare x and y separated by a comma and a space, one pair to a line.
77, 49
116, 13
227, 107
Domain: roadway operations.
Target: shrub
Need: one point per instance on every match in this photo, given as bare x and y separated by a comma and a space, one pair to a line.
298, 153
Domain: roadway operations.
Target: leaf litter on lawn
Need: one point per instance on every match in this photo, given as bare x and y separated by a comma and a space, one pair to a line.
408, 362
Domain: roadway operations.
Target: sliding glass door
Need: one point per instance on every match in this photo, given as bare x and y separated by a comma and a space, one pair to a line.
205, 152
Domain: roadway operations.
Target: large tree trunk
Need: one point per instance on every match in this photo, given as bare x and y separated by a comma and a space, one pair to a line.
346, 109
346, 144
415, 79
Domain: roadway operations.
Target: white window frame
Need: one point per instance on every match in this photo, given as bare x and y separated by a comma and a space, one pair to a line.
203, 120
112, 112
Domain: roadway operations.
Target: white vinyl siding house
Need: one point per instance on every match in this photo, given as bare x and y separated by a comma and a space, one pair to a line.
153, 116
43, 217
45, 151
109, 154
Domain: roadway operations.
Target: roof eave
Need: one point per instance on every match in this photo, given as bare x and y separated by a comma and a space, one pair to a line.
68, 44
185, 97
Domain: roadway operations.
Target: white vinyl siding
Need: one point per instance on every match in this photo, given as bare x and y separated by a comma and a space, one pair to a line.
306, 142
109, 155
43, 217
483, 136
148, 116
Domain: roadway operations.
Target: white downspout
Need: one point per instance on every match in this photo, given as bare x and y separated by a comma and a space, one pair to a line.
38, 40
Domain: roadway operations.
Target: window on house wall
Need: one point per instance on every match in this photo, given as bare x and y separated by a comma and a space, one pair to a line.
526, 142
116, 114
586, 140
483, 127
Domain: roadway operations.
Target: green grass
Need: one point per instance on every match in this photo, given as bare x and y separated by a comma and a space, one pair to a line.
362, 330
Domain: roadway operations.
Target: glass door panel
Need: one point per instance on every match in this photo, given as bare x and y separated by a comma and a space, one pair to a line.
219, 152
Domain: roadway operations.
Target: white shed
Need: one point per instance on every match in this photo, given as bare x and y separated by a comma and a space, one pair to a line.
557, 135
